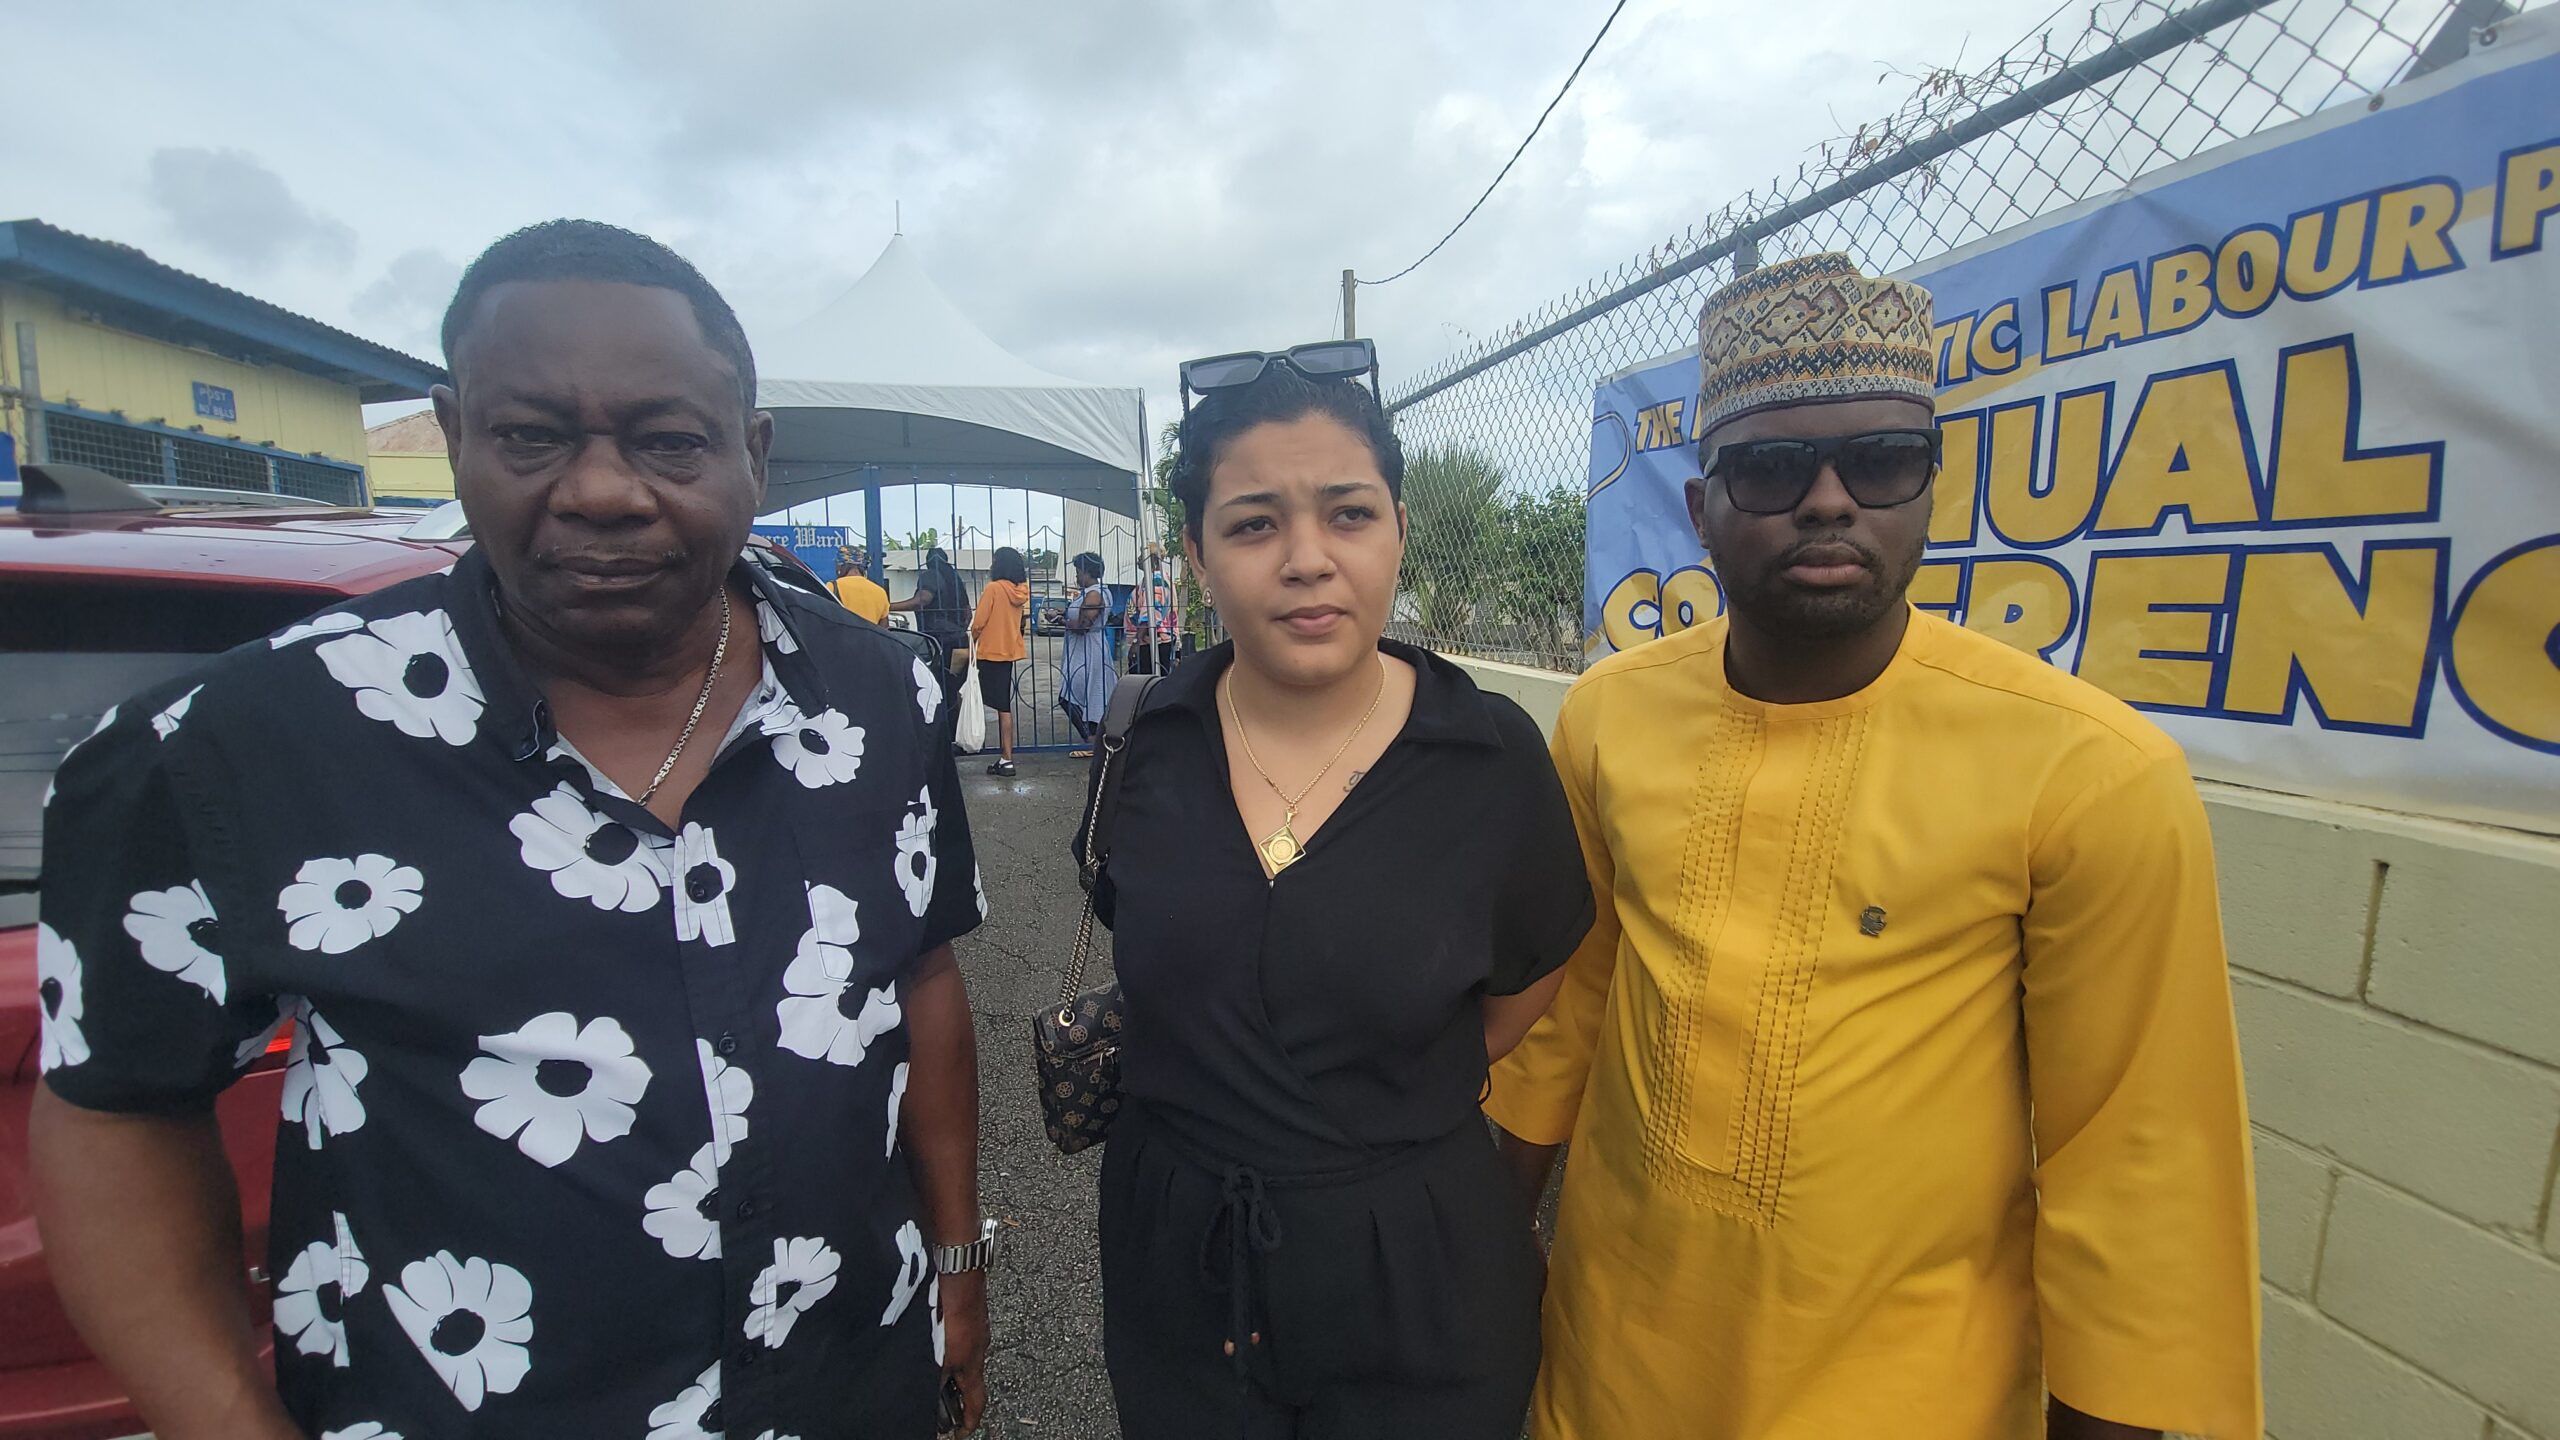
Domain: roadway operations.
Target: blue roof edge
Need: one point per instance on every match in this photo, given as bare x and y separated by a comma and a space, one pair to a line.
120, 272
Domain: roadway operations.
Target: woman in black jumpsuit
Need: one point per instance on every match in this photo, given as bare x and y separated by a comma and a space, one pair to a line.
1305, 1231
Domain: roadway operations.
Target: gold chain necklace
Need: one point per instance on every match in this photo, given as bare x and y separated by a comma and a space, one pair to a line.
701, 702
1280, 849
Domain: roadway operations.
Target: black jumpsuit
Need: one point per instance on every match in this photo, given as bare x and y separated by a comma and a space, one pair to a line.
1300, 1171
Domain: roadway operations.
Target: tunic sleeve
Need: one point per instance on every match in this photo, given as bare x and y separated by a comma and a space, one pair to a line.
135, 974
1544, 906
2146, 1247
1537, 1088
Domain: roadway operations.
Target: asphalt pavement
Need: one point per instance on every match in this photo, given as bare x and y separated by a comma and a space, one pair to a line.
1044, 1376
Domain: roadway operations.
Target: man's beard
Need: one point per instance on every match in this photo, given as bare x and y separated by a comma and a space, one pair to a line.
1770, 603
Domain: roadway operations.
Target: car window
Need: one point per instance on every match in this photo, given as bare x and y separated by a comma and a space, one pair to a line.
67, 652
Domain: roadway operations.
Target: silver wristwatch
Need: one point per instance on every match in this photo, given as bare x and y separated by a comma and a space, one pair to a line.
960, 1259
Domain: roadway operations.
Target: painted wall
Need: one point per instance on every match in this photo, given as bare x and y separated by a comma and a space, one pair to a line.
412, 476
2398, 987
104, 369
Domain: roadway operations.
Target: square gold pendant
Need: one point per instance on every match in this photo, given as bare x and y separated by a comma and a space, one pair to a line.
1280, 850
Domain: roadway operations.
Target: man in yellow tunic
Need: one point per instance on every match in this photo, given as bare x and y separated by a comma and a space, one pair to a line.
1899, 1070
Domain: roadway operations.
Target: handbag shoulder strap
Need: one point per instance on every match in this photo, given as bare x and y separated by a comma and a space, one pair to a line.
1117, 720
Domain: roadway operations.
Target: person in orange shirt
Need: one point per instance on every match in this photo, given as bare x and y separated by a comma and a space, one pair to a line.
857, 591
996, 635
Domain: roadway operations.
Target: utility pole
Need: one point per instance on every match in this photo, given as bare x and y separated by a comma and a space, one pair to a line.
1350, 298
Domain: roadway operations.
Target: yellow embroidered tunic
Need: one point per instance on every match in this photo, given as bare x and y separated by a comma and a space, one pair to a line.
1899, 1069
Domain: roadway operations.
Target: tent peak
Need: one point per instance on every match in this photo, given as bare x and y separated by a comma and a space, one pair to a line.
894, 326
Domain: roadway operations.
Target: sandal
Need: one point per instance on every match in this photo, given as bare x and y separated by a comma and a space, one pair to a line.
1002, 768
1080, 754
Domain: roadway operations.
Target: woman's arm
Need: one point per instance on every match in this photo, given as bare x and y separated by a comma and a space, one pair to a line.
1089, 613
1507, 1018
918, 601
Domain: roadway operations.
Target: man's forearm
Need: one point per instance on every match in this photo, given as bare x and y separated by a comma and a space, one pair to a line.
940, 1113
141, 1225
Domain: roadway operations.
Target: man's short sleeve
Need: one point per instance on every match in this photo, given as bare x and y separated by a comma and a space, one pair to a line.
140, 1012
959, 900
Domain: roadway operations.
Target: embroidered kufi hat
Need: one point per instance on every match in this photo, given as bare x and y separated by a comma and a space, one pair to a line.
1809, 331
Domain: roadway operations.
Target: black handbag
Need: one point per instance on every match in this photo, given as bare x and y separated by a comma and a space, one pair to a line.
1075, 1043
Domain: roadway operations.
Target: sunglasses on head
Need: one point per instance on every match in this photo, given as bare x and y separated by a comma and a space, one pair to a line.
1321, 360
1880, 469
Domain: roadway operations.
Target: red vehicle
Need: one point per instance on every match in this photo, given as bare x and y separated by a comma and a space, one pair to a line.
104, 590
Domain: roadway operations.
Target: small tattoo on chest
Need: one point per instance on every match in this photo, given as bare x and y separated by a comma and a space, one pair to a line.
1355, 779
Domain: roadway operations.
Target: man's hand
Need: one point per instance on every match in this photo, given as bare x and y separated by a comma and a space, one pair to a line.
964, 1344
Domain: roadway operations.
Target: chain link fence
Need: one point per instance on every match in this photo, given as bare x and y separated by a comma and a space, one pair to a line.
1498, 437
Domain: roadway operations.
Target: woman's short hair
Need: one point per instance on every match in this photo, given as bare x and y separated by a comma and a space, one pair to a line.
1088, 562
1277, 396
1008, 565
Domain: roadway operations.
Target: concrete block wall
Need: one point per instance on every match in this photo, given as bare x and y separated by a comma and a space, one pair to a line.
2397, 981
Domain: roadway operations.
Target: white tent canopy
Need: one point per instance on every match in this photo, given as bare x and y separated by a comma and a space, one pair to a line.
893, 385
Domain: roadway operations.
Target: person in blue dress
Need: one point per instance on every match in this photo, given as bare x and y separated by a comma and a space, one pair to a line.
1085, 676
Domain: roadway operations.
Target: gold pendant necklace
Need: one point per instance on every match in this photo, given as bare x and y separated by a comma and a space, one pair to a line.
1280, 849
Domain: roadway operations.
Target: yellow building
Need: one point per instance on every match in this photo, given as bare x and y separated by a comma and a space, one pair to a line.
406, 461
110, 359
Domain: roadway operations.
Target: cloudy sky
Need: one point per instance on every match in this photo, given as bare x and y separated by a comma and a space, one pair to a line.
1107, 187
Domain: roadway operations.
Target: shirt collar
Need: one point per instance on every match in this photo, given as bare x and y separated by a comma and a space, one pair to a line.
518, 717
1447, 706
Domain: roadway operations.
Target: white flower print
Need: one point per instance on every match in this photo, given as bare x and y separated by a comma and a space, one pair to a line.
361, 1430
336, 622
776, 1435
915, 860
589, 856
408, 672
703, 881
58, 990
470, 1318
320, 1079
815, 1024
802, 1273
897, 1098
552, 1085
683, 1212
311, 1298
819, 750
333, 906
933, 1298
693, 1415
179, 936
731, 1091
913, 1267
928, 692
978, 883
776, 634
165, 724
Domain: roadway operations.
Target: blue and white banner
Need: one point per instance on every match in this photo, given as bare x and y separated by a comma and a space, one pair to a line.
2268, 445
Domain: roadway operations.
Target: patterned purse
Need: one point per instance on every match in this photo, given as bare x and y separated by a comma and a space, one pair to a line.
1076, 1042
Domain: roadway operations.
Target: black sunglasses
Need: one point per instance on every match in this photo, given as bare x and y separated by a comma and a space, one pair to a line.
1879, 469
1320, 360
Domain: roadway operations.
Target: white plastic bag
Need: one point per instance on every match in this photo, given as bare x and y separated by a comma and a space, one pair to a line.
969, 727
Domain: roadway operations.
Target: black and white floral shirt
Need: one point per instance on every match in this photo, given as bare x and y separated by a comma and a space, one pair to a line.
591, 1127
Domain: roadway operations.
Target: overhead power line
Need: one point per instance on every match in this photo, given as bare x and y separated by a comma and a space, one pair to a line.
1516, 154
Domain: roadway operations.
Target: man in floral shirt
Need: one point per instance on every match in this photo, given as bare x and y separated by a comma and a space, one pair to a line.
608, 890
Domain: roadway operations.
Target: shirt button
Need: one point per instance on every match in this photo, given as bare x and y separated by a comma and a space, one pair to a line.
747, 1356
747, 1209
703, 885
728, 1044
